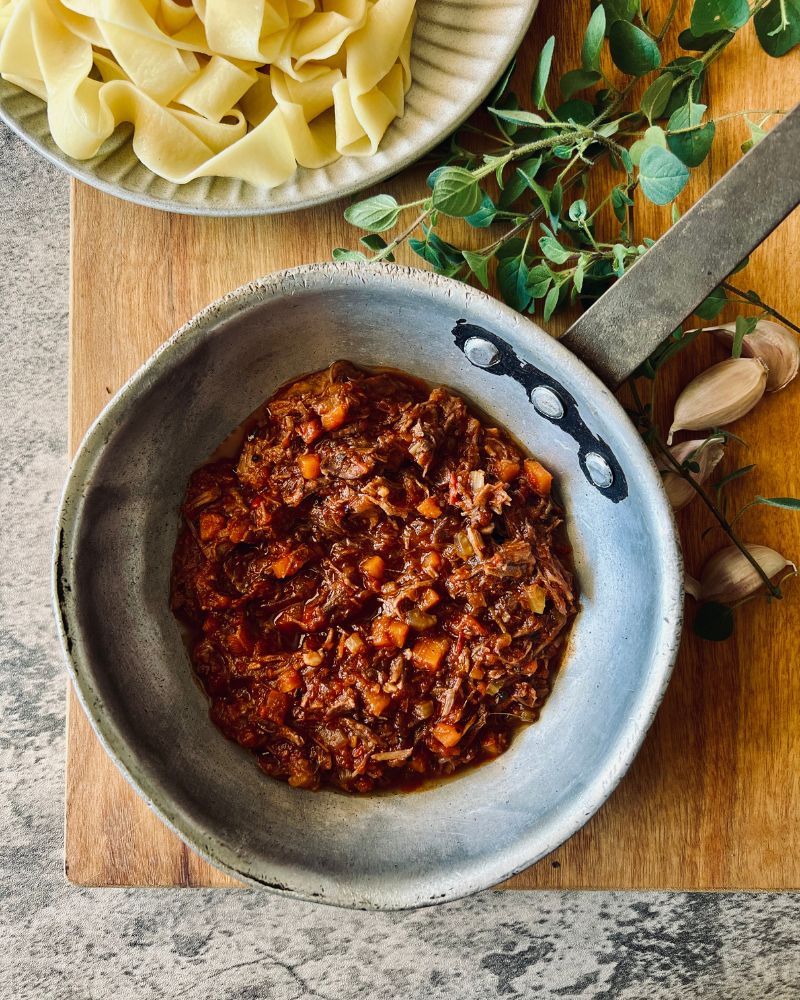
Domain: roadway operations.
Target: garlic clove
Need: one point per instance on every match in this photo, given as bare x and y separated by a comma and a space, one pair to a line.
707, 453
771, 343
728, 577
719, 395
691, 586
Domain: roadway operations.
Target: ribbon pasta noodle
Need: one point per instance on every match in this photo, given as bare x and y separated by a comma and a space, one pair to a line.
229, 88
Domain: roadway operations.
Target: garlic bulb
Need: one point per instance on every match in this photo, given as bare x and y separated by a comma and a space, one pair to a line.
719, 395
771, 343
728, 577
707, 453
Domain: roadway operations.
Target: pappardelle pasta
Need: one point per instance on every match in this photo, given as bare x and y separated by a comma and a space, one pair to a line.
232, 88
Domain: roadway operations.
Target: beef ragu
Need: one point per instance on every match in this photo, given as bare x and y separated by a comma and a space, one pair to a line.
375, 584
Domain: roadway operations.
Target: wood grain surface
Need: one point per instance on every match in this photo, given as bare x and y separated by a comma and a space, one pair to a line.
713, 799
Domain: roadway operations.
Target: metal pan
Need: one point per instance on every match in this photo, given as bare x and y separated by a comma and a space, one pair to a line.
118, 523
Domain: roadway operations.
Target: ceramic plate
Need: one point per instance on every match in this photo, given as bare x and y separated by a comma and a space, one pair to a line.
460, 50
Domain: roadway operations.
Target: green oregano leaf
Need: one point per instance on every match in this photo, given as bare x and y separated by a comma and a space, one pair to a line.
553, 250
479, 265
744, 326
662, 176
732, 477
484, 216
456, 192
656, 97
542, 72
620, 10
502, 85
519, 181
593, 40
715, 15
713, 305
578, 210
757, 133
632, 49
356, 256
580, 272
540, 277
578, 111
550, 302
431, 179
620, 200
619, 259
778, 26
654, 136
578, 79
512, 278
518, 117
687, 89
693, 146
376, 243
785, 503
375, 214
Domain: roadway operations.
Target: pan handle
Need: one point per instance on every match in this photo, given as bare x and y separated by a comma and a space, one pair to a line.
626, 324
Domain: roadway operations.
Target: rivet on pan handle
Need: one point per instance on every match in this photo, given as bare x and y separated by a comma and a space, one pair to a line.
666, 285
551, 401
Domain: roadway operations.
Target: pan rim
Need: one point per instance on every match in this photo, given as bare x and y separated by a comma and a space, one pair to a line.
151, 787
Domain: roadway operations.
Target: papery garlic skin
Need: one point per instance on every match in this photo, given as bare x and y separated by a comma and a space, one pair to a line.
728, 577
708, 453
719, 395
771, 343
691, 586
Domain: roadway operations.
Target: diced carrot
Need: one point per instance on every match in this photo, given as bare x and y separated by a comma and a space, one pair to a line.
289, 564
374, 567
309, 466
377, 701
289, 680
275, 707
333, 416
310, 430
241, 641
539, 478
388, 632
210, 526
471, 626
432, 563
428, 599
429, 508
429, 653
507, 470
446, 734
238, 529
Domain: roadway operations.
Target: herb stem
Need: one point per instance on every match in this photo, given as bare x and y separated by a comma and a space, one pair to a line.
723, 522
754, 300
387, 250
668, 20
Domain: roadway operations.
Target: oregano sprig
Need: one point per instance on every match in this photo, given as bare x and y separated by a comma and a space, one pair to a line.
520, 174
513, 174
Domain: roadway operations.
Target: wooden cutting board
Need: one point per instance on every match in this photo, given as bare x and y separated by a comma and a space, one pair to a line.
713, 798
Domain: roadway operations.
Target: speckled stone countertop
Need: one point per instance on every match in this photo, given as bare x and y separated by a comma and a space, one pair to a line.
60, 943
